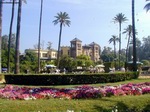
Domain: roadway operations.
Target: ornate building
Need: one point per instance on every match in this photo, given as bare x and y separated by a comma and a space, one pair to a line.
76, 49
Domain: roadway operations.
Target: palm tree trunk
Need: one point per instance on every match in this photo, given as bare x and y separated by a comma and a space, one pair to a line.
1, 5
10, 36
115, 54
127, 50
17, 53
39, 41
134, 39
119, 43
58, 55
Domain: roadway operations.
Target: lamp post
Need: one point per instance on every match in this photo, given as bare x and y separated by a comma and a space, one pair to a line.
134, 39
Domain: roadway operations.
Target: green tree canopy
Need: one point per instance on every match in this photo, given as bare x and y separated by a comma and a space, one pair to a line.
68, 63
84, 61
29, 62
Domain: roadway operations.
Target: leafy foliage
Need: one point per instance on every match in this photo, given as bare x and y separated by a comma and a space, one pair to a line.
68, 63
5, 51
28, 62
84, 61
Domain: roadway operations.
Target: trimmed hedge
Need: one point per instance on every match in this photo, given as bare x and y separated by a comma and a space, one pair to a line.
69, 79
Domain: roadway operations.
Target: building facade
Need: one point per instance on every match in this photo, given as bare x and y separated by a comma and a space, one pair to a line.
65, 50
44, 54
75, 49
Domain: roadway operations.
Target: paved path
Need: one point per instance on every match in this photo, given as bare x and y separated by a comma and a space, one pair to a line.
144, 75
2, 81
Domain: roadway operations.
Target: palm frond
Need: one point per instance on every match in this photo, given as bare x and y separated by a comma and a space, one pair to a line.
114, 39
62, 17
147, 7
55, 22
119, 18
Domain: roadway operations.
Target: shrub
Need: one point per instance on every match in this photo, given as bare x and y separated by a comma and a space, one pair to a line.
69, 79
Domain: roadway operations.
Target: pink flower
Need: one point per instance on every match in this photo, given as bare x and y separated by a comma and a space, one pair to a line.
79, 92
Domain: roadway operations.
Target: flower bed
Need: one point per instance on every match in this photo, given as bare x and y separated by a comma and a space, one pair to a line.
79, 92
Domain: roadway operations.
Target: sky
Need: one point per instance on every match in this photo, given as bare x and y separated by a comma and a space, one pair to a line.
91, 21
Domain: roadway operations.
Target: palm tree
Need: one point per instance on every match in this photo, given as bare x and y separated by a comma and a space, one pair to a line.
114, 39
1, 5
10, 35
134, 38
147, 6
17, 53
39, 41
119, 18
17, 70
129, 34
63, 19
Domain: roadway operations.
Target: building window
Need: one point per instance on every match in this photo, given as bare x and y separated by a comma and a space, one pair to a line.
96, 48
44, 54
73, 45
79, 45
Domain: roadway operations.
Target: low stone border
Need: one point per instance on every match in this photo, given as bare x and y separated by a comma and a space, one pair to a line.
144, 76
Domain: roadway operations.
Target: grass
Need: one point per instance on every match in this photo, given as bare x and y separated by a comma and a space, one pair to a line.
105, 104
87, 105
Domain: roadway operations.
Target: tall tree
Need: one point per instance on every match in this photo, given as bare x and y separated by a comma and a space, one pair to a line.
120, 18
134, 39
63, 19
17, 53
129, 35
10, 35
114, 39
128, 32
147, 6
39, 40
1, 5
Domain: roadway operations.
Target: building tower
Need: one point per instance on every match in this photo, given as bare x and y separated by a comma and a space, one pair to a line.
95, 51
76, 47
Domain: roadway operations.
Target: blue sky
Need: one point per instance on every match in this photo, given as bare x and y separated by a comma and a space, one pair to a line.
91, 21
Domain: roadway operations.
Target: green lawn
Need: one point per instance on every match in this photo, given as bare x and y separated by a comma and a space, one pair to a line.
91, 105
105, 104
